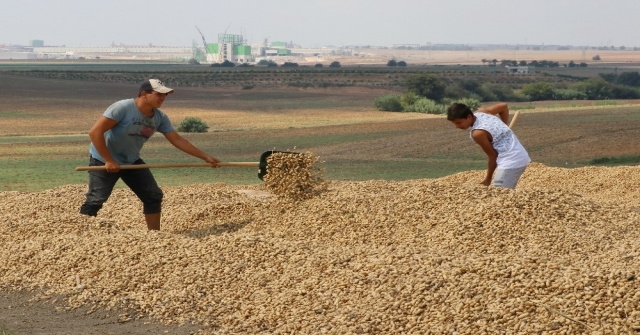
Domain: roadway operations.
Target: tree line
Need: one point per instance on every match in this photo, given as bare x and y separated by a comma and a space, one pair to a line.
428, 93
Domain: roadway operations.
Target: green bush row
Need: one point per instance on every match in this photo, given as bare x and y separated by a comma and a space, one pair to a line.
412, 103
427, 93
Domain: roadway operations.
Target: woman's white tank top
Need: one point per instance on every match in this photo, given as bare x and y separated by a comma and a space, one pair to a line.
511, 154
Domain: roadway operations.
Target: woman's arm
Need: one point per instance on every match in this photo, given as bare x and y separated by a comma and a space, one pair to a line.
501, 110
482, 138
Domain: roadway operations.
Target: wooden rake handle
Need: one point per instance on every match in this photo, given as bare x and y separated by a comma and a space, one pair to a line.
170, 165
513, 120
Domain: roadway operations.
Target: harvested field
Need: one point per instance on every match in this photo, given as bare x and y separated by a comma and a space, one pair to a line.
559, 255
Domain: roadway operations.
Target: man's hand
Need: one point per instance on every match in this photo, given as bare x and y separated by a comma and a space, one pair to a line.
112, 166
213, 161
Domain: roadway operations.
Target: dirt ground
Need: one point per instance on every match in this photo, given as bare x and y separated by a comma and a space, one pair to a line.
475, 57
19, 315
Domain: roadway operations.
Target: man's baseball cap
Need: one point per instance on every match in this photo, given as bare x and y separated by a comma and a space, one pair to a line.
155, 85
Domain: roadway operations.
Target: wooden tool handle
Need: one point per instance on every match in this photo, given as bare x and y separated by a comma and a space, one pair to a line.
513, 120
170, 165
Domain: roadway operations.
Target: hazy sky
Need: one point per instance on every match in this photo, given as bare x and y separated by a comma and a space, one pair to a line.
314, 23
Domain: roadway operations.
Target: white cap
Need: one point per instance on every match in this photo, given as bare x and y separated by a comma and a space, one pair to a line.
155, 85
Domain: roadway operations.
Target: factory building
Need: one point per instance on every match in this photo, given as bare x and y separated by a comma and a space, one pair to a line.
230, 47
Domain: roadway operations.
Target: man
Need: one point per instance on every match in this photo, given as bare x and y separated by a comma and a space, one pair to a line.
506, 156
117, 138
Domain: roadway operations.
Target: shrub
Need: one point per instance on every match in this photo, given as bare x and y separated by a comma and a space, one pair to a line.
267, 62
192, 125
402, 63
568, 94
335, 64
609, 77
408, 99
318, 65
502, 93
392, 62
428, 106
389, 103
455, 92
596, 89
473, 104
539, 91
226, 63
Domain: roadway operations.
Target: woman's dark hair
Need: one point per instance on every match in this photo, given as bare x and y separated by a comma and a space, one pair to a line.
458, 111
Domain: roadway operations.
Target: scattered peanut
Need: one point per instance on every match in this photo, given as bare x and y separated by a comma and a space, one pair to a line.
559, 255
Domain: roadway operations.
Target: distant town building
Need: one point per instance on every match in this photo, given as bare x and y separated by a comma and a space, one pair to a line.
36, 43
521, 69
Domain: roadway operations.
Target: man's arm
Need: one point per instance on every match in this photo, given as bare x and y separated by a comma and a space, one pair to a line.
96, 134
482, 138
186, 146
501, 110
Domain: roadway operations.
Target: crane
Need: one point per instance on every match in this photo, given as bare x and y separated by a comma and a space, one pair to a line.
203, 41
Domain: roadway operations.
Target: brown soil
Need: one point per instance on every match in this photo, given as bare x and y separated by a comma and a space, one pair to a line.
21, 315
474, 57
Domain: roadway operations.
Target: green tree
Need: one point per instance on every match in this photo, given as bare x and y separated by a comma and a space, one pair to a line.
392, 62
596, 89
427, 85
538, 91
624, 92
629, 79
319, 65
267, 62
192, 125
335, 64
402, 63
226, 63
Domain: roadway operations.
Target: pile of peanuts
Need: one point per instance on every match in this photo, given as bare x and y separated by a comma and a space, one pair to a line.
293, 177
433, 256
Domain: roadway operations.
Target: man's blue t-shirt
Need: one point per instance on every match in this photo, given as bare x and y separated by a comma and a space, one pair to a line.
125, 139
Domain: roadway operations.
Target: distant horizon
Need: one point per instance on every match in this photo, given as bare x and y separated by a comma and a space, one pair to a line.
332, 45
317, 23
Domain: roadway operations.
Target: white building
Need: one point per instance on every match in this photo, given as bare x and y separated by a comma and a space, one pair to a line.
520, 69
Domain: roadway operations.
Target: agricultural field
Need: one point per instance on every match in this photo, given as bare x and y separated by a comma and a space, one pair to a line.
306, 76
402, 241
299, 77
44, 124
